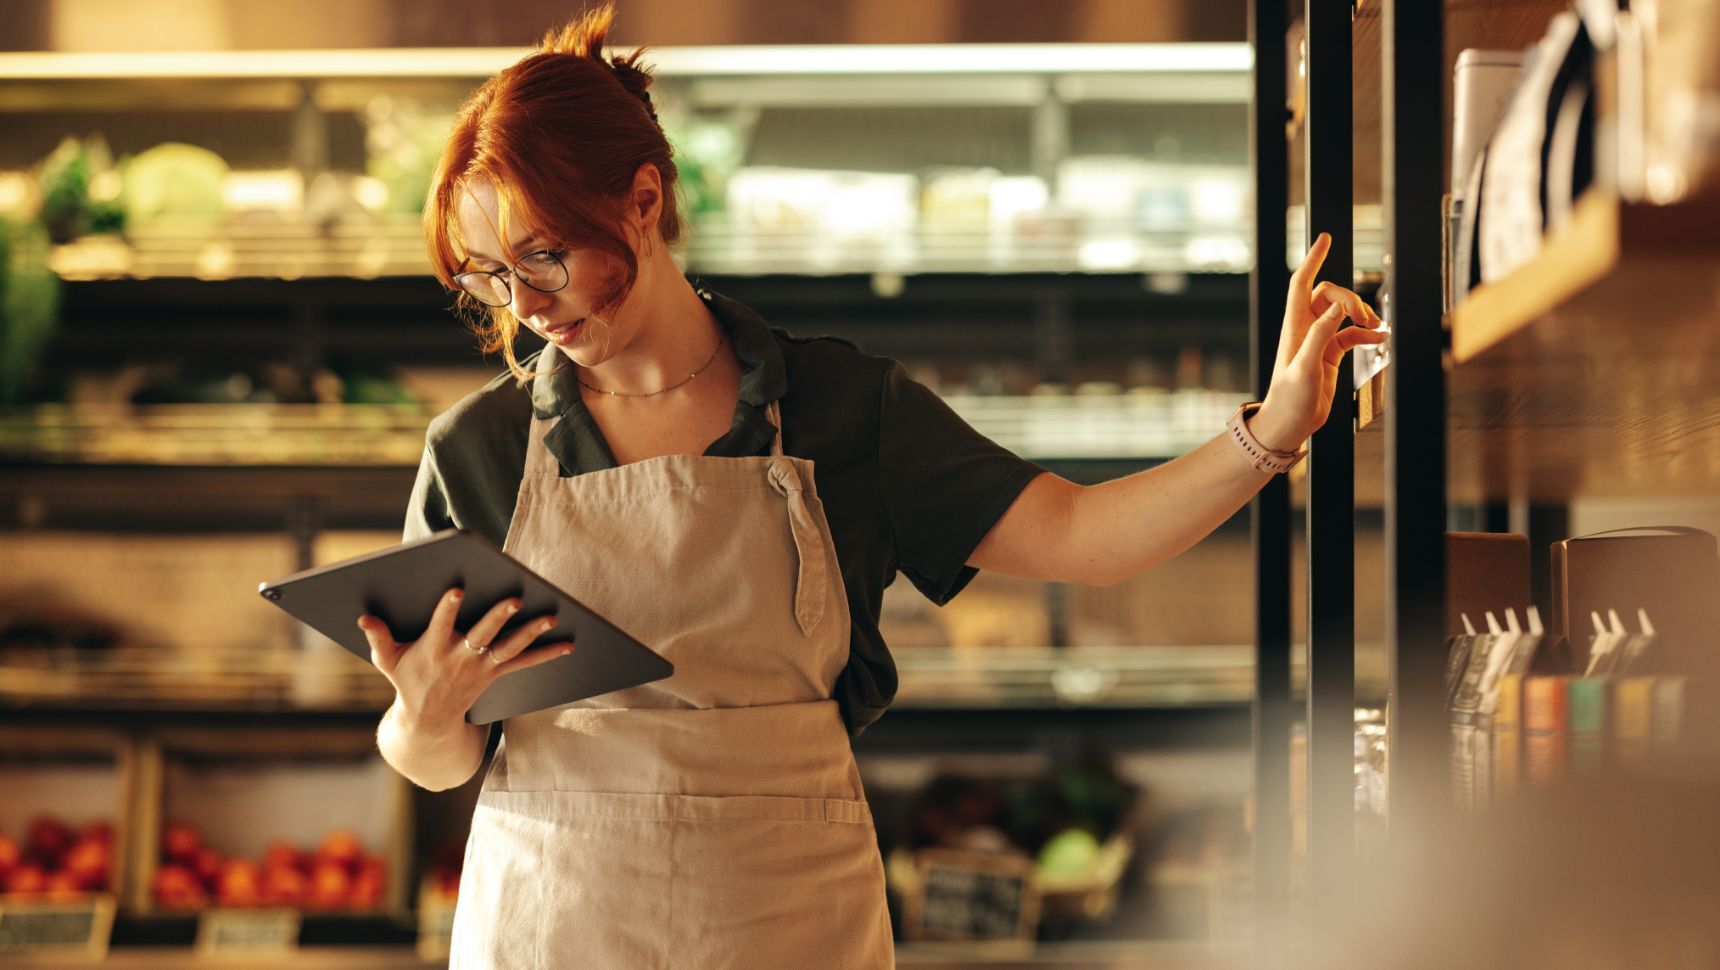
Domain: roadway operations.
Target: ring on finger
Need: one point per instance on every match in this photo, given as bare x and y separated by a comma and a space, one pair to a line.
480, 651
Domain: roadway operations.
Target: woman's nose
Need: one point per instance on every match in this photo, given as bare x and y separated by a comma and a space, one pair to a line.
527, 301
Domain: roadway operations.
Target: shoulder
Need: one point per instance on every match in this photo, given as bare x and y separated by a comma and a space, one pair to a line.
835, 370
501, 405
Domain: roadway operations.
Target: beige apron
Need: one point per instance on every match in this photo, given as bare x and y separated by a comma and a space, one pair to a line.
712, 819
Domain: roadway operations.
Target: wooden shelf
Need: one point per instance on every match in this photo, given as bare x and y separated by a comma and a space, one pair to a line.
1595, 369
1560, 384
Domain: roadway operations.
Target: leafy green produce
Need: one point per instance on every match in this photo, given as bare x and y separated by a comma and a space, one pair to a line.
29, 306
1070, 852
173, 179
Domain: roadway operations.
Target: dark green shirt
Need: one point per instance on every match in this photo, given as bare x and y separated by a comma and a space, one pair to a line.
906, 484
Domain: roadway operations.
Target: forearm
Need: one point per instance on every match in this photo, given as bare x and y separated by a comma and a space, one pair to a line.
1126, 526
434, 756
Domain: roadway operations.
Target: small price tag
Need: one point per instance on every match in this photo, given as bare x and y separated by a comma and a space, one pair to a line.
221, 931
973, 896
71, 929
435, 924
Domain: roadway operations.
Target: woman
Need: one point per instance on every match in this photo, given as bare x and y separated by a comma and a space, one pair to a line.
738, 498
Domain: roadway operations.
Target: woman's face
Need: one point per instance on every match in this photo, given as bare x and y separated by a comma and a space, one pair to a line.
563, 318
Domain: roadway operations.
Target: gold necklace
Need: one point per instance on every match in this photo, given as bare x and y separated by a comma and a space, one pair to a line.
665, 390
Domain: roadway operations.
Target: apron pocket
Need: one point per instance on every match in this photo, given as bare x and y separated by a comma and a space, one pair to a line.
671, 881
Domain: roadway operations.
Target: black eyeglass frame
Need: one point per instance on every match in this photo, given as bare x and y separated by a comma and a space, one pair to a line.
508, 284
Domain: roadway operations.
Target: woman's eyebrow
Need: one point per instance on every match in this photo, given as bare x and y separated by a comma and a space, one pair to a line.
525, 244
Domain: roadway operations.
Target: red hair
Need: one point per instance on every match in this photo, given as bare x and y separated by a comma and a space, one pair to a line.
560, 133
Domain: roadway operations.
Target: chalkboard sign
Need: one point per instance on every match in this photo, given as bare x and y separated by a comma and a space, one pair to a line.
972, 896
61, 929
248, 931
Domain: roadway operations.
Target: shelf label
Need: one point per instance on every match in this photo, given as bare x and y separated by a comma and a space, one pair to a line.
972, 896
81, 928
248, 931
435, 925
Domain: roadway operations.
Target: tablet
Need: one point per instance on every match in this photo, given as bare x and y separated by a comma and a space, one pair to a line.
403, 584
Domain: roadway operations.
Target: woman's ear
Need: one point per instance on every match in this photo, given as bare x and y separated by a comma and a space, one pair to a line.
646, 201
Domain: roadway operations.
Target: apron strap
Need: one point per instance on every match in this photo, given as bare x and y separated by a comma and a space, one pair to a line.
808, 541
773, 414
809, 582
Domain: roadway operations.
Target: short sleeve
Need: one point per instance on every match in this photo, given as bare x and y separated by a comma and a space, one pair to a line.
944, 484
427, 511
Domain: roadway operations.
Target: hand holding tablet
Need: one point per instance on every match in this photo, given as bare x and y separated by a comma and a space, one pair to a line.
405, 596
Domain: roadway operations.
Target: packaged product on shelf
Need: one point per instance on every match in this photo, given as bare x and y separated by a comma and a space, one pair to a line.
1672, 572
1546, 729
1512, 218
1484, 571
1508, 732
1483, 83
1588, 708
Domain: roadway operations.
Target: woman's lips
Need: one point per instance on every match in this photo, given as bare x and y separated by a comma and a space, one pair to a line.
564, 330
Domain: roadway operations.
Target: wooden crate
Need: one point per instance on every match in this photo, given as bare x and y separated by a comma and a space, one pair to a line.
245, 789
77, 774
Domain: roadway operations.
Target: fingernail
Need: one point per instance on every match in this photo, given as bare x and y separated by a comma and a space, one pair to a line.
513, 608
361, 623
567, 651
457, 595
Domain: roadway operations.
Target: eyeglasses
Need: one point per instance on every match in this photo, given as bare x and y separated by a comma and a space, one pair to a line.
542, 271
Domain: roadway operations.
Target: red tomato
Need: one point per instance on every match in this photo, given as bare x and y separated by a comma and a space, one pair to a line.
10, 856
180, 842
369, 884
284, 887
329, 886
64, 887
208, 866
281, 855
47, 840
90, 861
176, 887
342, 847
27, 878
240, 883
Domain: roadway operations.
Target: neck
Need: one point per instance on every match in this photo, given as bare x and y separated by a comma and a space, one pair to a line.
674, 334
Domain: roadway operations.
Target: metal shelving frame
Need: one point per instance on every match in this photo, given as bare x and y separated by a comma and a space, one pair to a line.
1414, 489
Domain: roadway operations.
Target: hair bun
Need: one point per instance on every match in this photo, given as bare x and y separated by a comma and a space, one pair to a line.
635, 79
585, 37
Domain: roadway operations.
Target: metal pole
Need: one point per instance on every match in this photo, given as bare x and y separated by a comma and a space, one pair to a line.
1331, 496
1269, 513
1412, 71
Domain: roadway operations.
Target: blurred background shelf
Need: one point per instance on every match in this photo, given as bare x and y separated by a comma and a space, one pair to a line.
385, 245
1147, 425
326, 679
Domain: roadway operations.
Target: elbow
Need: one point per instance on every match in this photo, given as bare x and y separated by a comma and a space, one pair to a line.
1104, 580
434, 782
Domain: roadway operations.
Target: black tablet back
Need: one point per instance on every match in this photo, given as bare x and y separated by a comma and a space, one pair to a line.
403, 584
